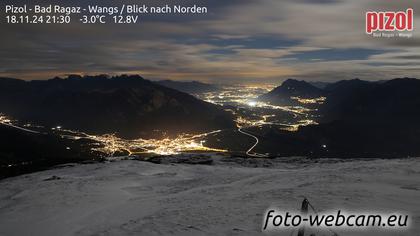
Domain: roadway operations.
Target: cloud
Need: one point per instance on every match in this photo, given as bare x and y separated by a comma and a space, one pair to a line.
247, 40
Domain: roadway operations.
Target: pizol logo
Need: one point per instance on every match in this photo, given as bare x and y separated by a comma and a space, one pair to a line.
389, 23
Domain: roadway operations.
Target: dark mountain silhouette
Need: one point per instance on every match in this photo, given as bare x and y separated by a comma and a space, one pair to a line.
22, 152
320, 84
191, 87
359, 119
282, 94
347, 85
359, 101
342, 139
342, 94
129, 106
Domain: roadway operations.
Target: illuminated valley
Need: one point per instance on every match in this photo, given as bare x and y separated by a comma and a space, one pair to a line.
241, 101
111, 144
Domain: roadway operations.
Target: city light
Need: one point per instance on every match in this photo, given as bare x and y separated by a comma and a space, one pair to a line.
252, 103
233, 98
319, 100
111, 144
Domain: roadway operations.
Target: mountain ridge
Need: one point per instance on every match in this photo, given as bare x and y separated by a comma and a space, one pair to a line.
291, 88
191, 87
100, 104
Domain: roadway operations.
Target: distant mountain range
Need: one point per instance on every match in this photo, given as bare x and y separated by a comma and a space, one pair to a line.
191, 87
396, 100
359, 119
356, 100
282, 95
320, 84
129, 106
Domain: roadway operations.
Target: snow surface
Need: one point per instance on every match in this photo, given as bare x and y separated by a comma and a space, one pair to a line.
141, 198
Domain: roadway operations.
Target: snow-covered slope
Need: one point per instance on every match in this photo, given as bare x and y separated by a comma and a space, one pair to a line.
141, 198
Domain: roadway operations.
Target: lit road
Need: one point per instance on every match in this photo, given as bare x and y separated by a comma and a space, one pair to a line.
20, 128
253, 146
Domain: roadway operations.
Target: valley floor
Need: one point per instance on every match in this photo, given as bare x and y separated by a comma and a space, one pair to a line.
141, 198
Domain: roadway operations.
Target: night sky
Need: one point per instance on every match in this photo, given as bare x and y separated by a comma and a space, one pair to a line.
247, 41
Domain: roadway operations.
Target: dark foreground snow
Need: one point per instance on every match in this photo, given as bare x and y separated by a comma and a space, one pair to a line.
141, 198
